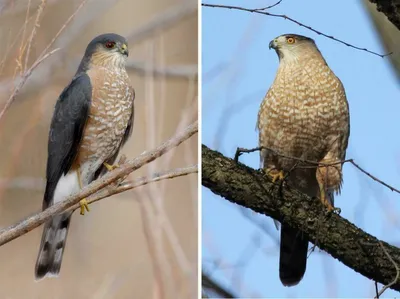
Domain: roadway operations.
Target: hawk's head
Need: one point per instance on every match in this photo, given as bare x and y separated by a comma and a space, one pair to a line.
108, 49
292, 45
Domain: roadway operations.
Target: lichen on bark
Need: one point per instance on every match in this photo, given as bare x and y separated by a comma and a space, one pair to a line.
332, 233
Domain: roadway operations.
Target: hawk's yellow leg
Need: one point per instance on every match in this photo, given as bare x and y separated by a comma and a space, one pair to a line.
324, 200
276, 175
83, 203
323, 196
110, 167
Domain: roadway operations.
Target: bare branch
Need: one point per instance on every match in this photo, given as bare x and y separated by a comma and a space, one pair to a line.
390, 8
271, 6
211, 286
34, 30
397, 272
63, 28
259, 11
329, 231
10, 233
45, 54
142, 181
23, 80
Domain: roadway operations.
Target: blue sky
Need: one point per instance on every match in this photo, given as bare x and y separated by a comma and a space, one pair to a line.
238, 68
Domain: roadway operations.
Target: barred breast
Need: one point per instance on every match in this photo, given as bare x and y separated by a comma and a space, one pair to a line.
303, 111
110, 111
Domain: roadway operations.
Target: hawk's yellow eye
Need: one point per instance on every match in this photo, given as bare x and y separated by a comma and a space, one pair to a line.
290, 40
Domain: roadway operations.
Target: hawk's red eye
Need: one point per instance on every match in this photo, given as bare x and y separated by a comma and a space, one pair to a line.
110, 45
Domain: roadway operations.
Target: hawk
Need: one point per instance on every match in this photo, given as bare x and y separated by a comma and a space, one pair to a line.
304, 115
92, 120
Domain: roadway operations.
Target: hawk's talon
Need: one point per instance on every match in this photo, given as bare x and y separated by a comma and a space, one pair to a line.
84, 205
276, 175
327, 204
110, 167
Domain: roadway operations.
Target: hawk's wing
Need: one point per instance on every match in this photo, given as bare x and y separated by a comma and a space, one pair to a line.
66, 130
128, 131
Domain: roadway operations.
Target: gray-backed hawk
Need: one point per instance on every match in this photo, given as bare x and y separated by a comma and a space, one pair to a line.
92, 120
304, 115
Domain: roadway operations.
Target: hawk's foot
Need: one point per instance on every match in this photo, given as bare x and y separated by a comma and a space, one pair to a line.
84, 206
276, 175
110, 167
327, 203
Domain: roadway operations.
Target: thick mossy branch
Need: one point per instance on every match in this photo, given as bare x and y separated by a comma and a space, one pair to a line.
391, 8
337, 236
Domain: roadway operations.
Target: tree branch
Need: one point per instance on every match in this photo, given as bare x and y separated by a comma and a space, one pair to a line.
142, 181
44, 55
337, 236
391, 9
212, 286
313, 164
263, 12
25, 77
10, 233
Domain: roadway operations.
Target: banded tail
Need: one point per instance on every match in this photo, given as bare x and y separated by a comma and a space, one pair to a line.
52, 246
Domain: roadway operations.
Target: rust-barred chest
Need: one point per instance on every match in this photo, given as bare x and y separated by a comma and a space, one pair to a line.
110, 112
305, 106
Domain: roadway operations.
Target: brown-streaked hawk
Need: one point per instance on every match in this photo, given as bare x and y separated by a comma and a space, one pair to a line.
92, 120
305, 115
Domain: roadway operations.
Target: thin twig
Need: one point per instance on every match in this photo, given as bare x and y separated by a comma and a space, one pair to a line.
62, 28
209, 284
271, 6
241, 150
22, 47
10, 233
397, 272
11, 46
258, 11
45, 54
142, 181
315, 164
23, 80
36, 25
373, 177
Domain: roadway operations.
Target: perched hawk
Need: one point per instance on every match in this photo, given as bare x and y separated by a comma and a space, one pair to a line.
92, 119
305, 115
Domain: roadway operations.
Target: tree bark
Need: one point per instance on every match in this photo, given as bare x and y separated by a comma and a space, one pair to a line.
343, 240
391, 8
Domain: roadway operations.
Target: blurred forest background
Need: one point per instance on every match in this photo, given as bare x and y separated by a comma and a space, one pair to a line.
142, 243
240, 248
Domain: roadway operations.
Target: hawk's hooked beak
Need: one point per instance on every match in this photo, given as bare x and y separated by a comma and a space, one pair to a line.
124, 49
272, 44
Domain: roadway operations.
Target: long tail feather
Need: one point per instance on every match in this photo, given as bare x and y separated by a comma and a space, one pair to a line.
52, 246
293, 256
